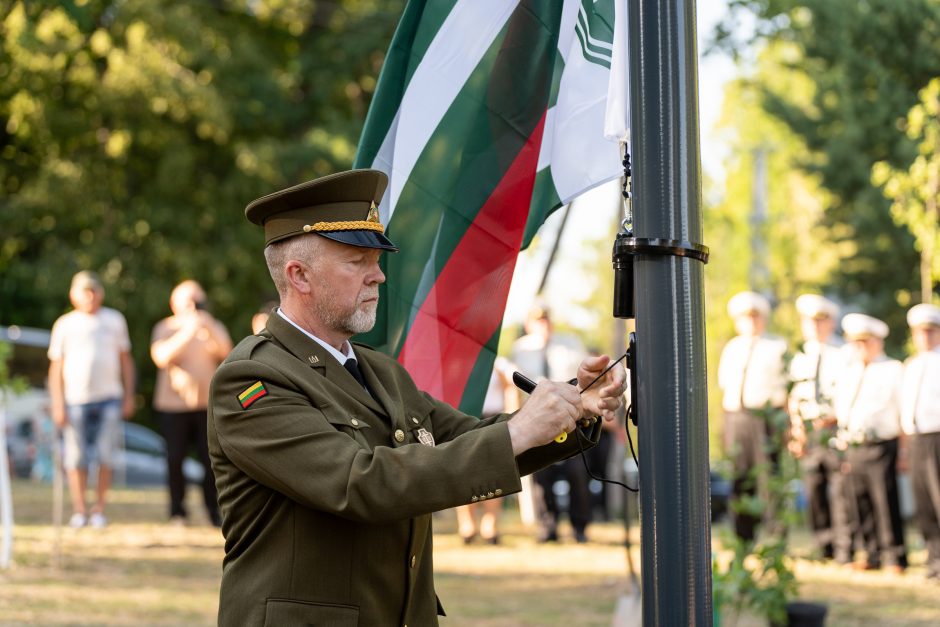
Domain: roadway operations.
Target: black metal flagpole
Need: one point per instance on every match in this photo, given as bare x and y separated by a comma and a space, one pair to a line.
671, 400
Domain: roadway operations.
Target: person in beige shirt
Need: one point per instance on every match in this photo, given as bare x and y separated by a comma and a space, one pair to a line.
187, 347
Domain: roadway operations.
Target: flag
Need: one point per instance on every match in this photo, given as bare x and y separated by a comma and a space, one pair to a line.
488, 115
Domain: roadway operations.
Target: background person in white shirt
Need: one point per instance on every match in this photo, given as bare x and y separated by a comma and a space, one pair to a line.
813, 373
752, 378
920, 419
91, 386
868, 406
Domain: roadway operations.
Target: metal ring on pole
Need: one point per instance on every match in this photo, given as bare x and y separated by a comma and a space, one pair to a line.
661, 246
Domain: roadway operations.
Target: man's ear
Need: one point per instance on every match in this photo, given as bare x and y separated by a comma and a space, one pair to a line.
299, 276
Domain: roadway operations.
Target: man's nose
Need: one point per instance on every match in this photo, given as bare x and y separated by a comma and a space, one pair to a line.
376, 275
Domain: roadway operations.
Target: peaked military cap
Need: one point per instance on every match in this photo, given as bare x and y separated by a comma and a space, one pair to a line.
816, 307
923, 315
744, 303
342, 207
856, 326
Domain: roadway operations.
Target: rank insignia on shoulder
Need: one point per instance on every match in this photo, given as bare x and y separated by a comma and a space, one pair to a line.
253, 393
425, 437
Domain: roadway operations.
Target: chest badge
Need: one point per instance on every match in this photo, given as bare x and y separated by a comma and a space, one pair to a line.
425, 437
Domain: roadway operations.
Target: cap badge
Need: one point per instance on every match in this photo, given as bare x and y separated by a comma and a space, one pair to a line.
373, 213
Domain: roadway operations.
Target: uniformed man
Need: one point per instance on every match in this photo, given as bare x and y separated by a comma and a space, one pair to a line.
920, 419
752, 378
813, 373
328, 459
867, 403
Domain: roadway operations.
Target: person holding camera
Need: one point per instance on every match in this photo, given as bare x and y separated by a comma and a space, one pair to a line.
187, 347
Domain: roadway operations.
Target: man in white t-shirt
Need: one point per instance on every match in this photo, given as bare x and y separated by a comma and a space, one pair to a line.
91, 386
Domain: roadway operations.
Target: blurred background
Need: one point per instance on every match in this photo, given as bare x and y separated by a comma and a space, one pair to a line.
133, 133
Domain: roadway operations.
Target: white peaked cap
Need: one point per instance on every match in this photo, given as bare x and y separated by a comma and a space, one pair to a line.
923, 315
816, 306
744, 303
856, 326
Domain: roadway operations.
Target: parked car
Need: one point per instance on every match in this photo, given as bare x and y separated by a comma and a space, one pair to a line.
29, 433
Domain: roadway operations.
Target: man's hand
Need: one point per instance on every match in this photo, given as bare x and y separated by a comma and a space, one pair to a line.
553, 408
605, 397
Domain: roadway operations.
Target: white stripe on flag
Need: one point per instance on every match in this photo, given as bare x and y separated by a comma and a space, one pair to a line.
457, 48
617, 116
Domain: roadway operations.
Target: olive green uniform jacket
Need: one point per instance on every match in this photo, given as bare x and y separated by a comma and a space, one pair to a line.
326, 492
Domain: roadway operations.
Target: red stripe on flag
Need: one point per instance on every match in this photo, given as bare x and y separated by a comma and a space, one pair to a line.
465, 306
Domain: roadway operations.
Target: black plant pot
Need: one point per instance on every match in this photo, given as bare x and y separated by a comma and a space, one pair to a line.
803, 614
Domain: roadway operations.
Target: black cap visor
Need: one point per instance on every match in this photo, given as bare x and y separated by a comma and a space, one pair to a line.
363, 239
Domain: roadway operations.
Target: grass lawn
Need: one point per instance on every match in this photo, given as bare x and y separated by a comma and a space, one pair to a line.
142, 571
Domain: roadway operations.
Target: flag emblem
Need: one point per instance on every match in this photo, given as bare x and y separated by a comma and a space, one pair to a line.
253, 393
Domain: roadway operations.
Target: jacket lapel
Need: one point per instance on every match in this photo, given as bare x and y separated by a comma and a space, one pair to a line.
318, 358
374, 380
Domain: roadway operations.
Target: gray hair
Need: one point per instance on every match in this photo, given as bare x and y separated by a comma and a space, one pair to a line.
278, 254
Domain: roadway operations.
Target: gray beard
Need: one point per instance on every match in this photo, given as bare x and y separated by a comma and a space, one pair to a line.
357, 321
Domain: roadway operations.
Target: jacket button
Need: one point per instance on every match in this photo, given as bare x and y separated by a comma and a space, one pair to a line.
414, 560
399, 435
498, 491
414, 420
354, 422
490, 495
474, 499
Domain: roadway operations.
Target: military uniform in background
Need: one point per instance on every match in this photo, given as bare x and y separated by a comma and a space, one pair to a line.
867, 403
752, 378
813, 372
920, 419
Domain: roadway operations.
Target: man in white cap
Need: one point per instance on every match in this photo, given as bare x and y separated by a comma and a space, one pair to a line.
920, 419
868, 406
752, 377
813, 372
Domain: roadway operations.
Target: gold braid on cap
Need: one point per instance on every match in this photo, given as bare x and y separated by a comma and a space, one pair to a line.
345, 225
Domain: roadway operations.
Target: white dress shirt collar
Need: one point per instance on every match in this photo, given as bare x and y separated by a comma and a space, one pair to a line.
341, 357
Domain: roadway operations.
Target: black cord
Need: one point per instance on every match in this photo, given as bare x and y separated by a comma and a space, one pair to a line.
581, 436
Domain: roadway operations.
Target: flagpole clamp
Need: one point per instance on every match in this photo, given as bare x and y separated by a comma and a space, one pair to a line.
657, 246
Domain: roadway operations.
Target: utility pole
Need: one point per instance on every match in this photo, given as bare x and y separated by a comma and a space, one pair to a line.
758, 272
670, 316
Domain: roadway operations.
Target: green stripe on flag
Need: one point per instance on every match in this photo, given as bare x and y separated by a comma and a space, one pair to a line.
545, 200
416, 30
472, 401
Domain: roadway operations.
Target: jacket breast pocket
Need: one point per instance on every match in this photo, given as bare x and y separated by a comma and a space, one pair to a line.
419, 426
288, 613
345, 422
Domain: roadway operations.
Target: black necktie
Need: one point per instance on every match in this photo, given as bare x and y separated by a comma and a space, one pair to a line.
353, 368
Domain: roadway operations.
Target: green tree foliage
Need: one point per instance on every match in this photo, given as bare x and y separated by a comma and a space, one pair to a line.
915, 191
134, 132
867, 60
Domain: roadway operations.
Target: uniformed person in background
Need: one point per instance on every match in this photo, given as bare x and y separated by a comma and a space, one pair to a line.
920, 419
752, 378
868, 405
813, 373
328, 459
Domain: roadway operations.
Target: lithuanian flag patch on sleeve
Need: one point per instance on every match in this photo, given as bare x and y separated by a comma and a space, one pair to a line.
254, 392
